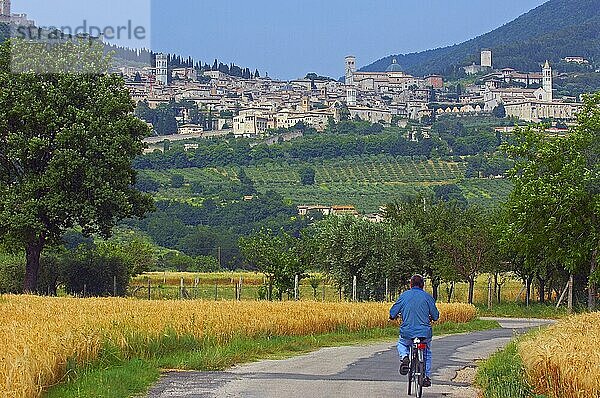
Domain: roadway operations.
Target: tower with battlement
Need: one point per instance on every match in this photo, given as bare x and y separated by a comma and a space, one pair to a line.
350, 69
486, 58
5, 8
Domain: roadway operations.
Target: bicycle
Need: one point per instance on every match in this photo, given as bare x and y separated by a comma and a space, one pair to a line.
416, 372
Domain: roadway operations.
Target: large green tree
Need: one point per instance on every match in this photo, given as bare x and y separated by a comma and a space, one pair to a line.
555, 207
67, 142
348, 247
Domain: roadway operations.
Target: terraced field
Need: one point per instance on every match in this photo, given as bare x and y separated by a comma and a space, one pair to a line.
365, 182
368, 169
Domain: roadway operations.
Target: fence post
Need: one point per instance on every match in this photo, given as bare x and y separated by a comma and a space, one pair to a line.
181, 284
296, 281
115, 286
84, 290
387, 289
570, 299
354, 288
149, 289
240, 289
489, 292
562, 296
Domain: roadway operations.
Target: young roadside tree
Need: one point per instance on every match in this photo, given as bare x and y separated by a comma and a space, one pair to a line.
276, 256
470, 247
67, 142
431, 218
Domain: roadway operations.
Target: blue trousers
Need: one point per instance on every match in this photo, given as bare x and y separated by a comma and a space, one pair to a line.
404, 351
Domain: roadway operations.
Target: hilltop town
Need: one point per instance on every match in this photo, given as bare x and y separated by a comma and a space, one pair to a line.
251, 105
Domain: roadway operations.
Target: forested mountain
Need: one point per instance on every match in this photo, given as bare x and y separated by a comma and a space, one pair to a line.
552, 31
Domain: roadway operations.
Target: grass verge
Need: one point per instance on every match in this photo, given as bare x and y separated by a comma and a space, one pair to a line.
114, 375
503, 375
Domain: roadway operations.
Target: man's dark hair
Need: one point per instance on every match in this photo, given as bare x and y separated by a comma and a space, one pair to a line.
417, 281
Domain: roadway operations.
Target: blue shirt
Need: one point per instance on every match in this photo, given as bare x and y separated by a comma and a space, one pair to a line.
416, 307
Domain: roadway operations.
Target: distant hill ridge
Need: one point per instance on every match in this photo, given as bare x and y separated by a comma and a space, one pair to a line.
554, 30
124, 56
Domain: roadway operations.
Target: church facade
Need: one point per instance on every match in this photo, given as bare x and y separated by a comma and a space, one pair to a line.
537, 105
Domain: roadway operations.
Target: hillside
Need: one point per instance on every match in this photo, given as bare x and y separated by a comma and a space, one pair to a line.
554, 30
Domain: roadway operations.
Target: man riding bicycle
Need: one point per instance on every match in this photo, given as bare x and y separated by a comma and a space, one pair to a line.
418, 309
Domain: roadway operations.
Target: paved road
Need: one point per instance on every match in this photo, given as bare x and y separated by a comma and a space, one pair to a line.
355, 371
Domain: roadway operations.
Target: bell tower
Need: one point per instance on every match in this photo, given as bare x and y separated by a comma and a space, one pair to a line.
351, 95
162, 69
350, 69
547, 82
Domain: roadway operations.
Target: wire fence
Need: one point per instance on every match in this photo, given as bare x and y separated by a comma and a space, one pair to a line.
253, 288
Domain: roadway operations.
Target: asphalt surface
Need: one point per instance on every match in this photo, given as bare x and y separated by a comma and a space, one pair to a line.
354, 371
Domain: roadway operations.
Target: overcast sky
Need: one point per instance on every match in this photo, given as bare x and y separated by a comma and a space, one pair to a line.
287, 38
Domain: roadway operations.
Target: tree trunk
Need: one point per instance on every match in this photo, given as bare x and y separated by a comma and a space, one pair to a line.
435, 285
450, 291
471, 289
496, 287
33, 251
542, 285
270, 290
591, 284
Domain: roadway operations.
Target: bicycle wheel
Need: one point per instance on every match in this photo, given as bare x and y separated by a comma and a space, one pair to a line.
420, 377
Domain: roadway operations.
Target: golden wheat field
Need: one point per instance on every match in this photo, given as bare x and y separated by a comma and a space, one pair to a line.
564, 360
40, 335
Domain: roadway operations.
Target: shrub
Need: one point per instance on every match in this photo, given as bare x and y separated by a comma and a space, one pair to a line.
177, 181
87, 271
12, 274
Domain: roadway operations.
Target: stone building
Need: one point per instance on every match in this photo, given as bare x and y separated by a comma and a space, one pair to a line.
541, 105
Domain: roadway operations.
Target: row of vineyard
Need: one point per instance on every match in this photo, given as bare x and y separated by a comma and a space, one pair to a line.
366, 182
365, 169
